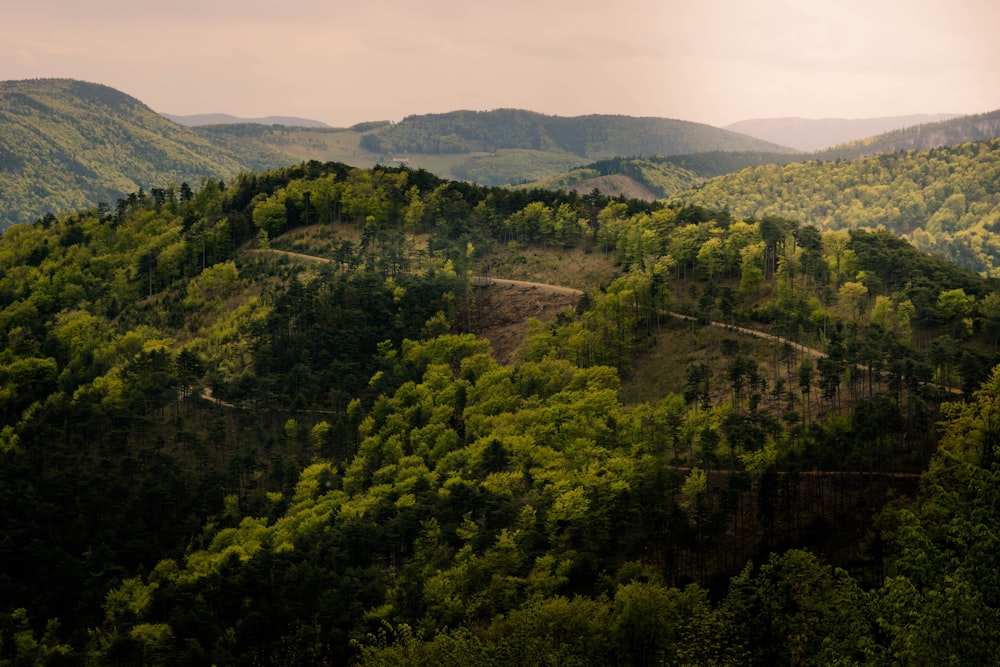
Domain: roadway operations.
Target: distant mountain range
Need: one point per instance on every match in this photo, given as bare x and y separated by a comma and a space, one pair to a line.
197, 120
67, 144
811, 134
593, 136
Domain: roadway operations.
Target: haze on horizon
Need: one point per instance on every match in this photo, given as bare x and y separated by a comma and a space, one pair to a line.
711, 61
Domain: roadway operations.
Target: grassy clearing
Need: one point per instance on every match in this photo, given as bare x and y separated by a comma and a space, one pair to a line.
570, 267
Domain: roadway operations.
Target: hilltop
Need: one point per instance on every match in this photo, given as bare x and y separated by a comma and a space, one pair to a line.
594, 136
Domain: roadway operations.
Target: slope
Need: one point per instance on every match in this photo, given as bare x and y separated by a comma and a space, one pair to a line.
68, 144
593, 136
920, 137
813, 134
196, 120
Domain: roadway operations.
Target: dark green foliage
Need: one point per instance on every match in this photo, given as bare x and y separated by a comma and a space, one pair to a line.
942, 199
365, 484
584, 136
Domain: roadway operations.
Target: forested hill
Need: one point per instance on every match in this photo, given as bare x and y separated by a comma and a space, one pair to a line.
656, 177
919, 137
216, 454
812, 134
68, 144
593, 136
946, 200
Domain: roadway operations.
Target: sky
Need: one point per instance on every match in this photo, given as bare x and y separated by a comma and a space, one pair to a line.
710, 61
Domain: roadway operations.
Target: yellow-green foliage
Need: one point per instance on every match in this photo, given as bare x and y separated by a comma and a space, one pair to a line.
945, 200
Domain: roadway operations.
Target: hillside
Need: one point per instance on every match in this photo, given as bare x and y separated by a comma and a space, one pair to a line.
946, 200
812, 134
635, 178
655, 177
919, 137
594, 137
717, 163
260, 425
68, 144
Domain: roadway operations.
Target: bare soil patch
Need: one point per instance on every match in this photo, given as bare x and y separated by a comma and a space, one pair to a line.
503, 308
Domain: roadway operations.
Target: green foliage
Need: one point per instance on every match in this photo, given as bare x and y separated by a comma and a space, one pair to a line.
278, 459
585, 136
659, 176
944, 199
920, 137
69, 144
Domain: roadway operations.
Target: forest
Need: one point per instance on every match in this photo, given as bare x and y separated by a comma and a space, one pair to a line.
943, 200
213, 452
594, 136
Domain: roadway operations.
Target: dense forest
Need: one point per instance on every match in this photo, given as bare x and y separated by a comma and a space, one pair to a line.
944, 200
213, 452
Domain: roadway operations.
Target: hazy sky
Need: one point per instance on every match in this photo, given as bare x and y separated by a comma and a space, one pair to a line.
713, 61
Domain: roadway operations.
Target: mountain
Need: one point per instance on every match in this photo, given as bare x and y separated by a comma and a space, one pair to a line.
68, 144
197, 120
593, 136
810, 134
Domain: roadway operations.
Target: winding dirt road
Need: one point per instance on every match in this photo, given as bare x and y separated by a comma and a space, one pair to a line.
560, 290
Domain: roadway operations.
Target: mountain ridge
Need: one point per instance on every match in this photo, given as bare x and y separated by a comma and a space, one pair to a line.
200, 119
814, 134
587, 136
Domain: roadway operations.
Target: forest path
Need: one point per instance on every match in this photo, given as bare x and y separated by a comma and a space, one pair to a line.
757, 333
543, 305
